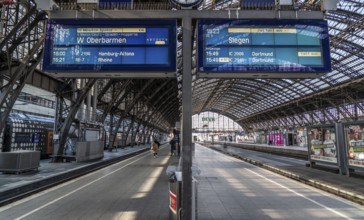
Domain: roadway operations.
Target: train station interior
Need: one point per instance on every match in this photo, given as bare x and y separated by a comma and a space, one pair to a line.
182, 109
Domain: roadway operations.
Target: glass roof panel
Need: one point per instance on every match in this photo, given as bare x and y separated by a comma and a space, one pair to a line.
250, 96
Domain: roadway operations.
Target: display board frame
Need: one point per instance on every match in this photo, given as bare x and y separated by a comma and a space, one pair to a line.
321, 153
165, 68
224, 66
354, 140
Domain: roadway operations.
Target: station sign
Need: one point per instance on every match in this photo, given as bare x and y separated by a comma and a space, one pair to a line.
283, 48
208, 119
35, 138
110, 45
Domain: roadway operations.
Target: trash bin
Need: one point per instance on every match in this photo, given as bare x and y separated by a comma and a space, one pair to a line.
175, 182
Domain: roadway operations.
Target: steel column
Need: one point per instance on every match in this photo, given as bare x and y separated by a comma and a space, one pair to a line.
131, 125
186, 119
341, 150
88, 105
64, 128
94, 103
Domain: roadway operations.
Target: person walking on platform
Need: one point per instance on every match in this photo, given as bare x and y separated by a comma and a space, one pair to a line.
154, 148
159, 144
178, 147
173, 146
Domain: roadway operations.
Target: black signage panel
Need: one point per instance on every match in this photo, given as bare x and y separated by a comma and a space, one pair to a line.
110, 45
263, 46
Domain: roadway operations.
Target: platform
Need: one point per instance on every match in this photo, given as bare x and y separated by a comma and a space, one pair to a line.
228, 187
52, 173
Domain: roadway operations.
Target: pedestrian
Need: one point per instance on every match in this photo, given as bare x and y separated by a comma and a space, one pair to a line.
178, 145
154, 148
159, 144
173, 146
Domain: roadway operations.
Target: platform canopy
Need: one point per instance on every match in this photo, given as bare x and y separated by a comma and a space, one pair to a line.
267, 103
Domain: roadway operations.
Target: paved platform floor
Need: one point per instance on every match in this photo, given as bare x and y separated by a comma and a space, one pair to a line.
232, 189
48, 172
320, 177
134, 188
229, 188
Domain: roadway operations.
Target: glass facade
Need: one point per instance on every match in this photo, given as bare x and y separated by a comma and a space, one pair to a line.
210, 121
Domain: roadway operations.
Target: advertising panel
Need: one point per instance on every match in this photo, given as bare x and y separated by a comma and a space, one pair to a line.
276, 138
302, 137
322, 144
110, 45
355, 145
248, 46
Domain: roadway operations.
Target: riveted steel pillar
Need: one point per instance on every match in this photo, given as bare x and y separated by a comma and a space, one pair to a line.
187, 119
341, 150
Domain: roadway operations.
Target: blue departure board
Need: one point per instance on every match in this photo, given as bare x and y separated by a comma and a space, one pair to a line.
111, 4
110, 45
268, 46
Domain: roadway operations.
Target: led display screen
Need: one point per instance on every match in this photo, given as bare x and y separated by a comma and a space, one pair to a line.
239, 46
110, 45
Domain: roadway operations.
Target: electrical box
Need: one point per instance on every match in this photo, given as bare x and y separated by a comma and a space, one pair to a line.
329, 5
285, 2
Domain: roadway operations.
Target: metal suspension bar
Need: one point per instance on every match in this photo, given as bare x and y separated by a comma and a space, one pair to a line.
16, 28
12, 89
345, 111
33, 24
115, 102
128, 131
94, 103
351, 99
213, 95
146, 125
8, 88
64, 129
135, 133
327, 112
105, 88
127, 110
111, 144
147, 135
156, 91
162, 112
164, 100
138, 96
